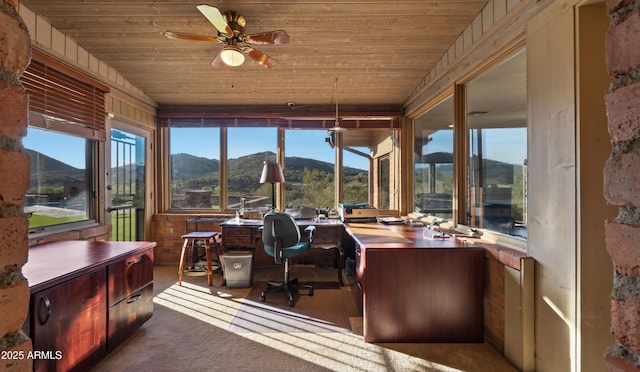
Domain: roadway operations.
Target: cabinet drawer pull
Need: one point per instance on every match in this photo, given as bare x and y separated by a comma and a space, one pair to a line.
133, 299
43, 317
134, 261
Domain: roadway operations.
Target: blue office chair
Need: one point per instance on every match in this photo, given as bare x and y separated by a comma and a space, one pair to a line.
281, 238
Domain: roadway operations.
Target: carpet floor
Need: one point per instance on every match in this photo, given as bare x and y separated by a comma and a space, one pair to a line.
196, 327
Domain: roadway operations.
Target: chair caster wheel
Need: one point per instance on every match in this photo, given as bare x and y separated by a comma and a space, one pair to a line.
262, 297
311, 292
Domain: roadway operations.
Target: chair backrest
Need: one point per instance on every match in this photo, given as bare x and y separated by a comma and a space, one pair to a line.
280, 229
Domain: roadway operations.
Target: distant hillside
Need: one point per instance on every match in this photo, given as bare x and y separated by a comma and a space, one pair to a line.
185, 166
51, 171
249, 167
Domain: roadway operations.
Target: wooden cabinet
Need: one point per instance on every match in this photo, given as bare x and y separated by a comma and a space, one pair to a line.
86, 298
68, 322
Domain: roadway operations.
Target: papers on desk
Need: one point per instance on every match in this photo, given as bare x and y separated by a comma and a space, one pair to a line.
391, 220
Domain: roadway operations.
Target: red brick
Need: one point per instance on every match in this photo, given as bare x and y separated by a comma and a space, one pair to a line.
622, 245
16, 45
622, 178
13, 111
623, 111
14, 187
97, 232
13, 241
14, 305
625, 322
618, 363
623, 45
18, 365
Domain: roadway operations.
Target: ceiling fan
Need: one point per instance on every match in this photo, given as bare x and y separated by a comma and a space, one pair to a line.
230, 26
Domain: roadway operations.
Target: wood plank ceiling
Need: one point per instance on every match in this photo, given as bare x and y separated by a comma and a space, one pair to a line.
377, 50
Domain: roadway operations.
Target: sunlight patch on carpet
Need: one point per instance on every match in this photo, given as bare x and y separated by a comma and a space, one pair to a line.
328, 343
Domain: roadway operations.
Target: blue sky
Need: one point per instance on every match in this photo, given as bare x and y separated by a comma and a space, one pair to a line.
56, 145
505, 145
244, 141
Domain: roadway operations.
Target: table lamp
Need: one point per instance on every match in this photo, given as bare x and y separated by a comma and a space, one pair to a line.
272, 173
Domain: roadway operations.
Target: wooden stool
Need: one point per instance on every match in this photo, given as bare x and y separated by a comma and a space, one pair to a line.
190, 239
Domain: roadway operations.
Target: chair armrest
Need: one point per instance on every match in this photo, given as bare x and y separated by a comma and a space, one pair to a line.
309, 230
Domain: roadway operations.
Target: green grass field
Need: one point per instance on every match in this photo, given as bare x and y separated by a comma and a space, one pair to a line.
123, 227
38, 220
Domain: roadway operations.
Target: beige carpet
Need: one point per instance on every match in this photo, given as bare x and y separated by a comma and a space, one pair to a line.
328, 310
190, 331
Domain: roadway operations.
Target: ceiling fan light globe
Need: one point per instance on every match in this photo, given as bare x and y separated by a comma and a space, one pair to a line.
232, 56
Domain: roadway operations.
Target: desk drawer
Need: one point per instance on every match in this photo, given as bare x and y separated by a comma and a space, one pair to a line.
237, 240
129, 275
237, 231
128, 315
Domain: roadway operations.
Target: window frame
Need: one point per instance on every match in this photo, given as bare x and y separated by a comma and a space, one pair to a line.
164, 150
461, 148
92, 150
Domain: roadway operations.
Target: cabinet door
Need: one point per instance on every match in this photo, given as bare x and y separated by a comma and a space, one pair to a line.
69, 323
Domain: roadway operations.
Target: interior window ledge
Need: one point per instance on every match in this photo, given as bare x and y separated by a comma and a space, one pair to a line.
86, 230
507, 256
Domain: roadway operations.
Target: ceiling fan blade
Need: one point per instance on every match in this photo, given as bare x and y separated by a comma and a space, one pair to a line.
183, 36
260, 57
217, 62
215, 17
272, 37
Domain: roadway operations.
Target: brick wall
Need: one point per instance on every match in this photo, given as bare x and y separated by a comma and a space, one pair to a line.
15, 51
167, 230
496, 259
622, 182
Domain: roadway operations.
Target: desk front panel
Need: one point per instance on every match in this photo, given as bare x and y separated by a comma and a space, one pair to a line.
414, 288
423, 295
245, 234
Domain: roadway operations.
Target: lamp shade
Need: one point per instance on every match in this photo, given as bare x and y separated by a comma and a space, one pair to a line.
232, 56
271, 173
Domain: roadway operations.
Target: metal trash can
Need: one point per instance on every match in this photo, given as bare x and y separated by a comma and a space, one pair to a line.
237, 266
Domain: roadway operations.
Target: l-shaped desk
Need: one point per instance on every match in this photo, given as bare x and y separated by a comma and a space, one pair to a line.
411, 285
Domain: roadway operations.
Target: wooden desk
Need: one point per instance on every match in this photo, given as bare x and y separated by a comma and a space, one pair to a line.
245, 234
413, 288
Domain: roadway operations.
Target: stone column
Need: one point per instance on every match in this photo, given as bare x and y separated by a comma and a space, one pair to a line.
15, 52
622, 182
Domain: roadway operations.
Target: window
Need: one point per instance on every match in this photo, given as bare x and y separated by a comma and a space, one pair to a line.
248, 149
308, 169
61, 185
194, 171
356, 173
433, 161
194, 168
497, 137
384, 182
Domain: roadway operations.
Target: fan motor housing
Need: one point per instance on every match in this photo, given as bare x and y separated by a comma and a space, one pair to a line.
235, 21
